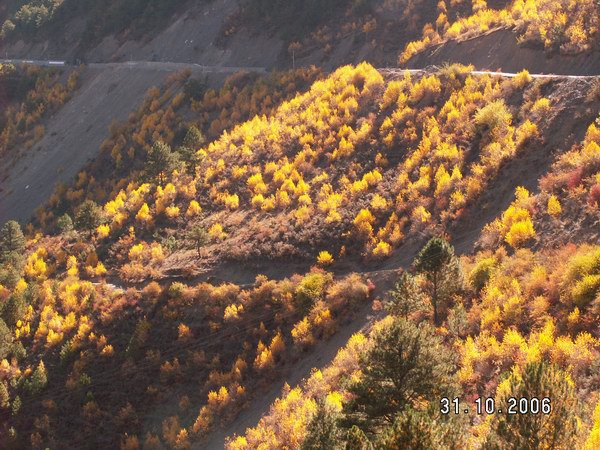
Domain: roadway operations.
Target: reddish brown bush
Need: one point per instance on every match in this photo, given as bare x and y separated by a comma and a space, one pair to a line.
594, 198
574, 178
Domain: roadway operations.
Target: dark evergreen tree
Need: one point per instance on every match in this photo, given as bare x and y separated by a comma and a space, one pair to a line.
89, 217
9, 274
323, 432
39, 379
14, 308
530, 431
161, 162
198, 237
6, 339
192, 142
357, 440
12, 240
441, 267
422, 430
458, 322
4, 396
406, 297
195, 88
16, 405
405, 364
194, 138
64, 223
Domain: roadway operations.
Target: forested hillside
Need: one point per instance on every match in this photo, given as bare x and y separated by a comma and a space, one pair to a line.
517, 319
336, 177
232, 232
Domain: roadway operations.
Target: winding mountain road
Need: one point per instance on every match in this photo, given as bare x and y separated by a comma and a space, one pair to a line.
164, 66
146, 65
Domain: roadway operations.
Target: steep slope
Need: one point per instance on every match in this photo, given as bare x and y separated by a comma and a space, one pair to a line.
542, 36
398, 169
73, 136
515, 313
500, 50
552, 229
231, 32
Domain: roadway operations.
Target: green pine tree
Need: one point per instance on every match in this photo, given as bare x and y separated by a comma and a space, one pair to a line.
422, 430
161, 162
4, 396
89, 217
357, 440
16, 405
14, 309
529, 431
405, 364
406, 297
39, 379
198, 237
12, 240
441, 267
6, 339
323, 432
65, 223
193, 141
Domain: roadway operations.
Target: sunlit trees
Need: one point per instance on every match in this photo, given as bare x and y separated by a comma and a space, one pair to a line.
568, 27
520, 231
554, 207
325, 259
40, 92
310, 289
515, 226
442, 269
593, 440
581, 278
